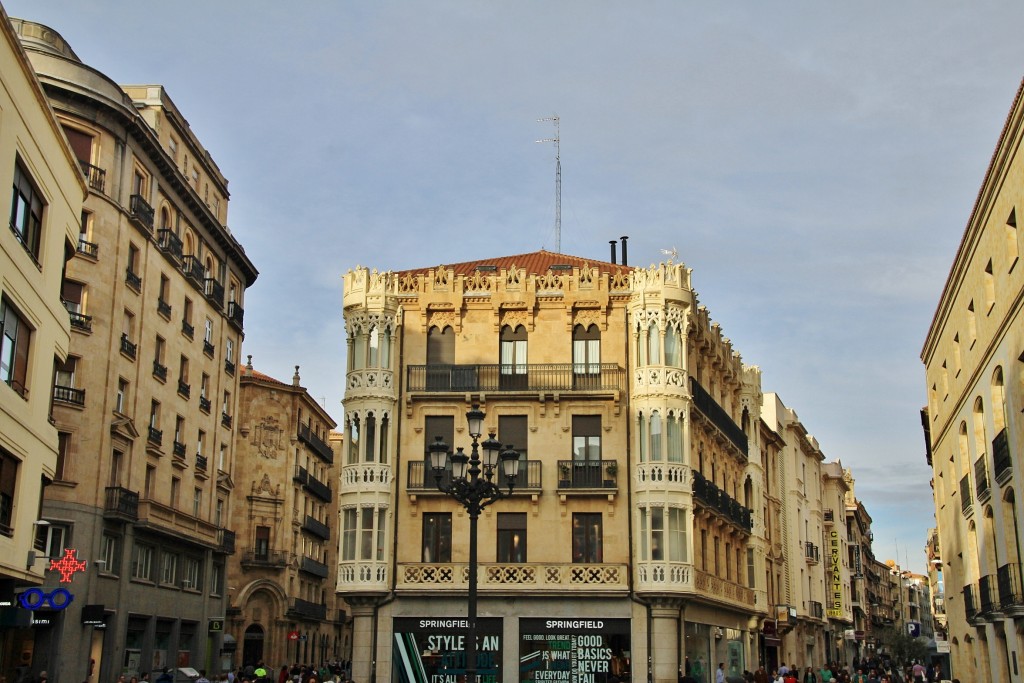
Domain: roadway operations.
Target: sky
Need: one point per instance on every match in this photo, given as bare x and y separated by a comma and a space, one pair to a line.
814, 163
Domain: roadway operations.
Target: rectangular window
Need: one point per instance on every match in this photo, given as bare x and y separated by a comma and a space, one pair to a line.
175, 491
587, 538
208, 332
218, 516
147, 490
168, 568
586, 451
66, 373
142, 562
15, 336
262, 549
437, 426
26, 211
366, 546
197, 502
121, 402
63, 450
110, 552
349, 524
72, 294
381, 528
511, 537
217, 579
657, 534
437, 537
229, 351
116, 463
52, 539
190, 576
677, 538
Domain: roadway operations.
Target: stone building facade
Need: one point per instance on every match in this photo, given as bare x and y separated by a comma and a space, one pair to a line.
43, 211
281, 579
974, 426
627, 541
146, 399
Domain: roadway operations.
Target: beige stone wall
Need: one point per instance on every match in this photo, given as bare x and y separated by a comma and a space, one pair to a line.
31, 285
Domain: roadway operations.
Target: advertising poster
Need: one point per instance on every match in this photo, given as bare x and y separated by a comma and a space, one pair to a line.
433, 650
574, 650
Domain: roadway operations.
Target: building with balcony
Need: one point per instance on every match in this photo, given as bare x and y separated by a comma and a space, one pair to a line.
859, 539
973, 423
143, 475
284, 514
43, 211
630, 533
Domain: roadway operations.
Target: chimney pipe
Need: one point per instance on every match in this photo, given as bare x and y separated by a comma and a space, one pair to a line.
624, 238
612, 242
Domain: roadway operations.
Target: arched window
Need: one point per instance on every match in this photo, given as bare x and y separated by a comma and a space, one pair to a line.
359, 349
370, 436
383, 440
998, 400
653, 345
373, 340
385, 348
165, 219
586, 356
980, 440
513, 368
673, 347
440, 358
353, 440
642, 435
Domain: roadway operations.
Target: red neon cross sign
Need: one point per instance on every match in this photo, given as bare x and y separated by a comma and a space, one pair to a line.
67, 565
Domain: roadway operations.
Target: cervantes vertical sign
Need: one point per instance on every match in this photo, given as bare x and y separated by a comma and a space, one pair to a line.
835, 573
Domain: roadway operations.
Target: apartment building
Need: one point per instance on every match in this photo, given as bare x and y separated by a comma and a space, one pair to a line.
43, 210
840, 640
144, 402
973, 424
282, 577
627, 540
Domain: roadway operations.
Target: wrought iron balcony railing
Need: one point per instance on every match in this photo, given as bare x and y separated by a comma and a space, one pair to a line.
988, 600
312, 484
812, 553
192, 267
128, 347
86, 248
214, 292
1001, 460
69, 395
318, 445
188, 329
202, 462
141, 210
204, 404
226, 540
156, 436
179, 449
714, 498
1008, 582
587, 474
236, 314
966, 500
263, 557
316, 527
163, 308
184, 389
225, 420
208, 348
229, 366
307, 610
971, 603
717, 415
313, 567
816, 609
981, 488
160, 371
96, 176
170, 243
421, 477
80, 321
542, 377
122, 503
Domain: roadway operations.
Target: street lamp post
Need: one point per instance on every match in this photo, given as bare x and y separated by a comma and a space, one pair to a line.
473, 485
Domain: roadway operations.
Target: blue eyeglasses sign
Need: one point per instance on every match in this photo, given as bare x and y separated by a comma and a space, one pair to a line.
34, 598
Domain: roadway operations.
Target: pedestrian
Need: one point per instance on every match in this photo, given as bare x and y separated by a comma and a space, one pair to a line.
809, 676
761, 676
202, 677
720, 673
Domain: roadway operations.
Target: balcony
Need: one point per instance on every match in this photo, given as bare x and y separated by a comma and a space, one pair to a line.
235, 314
204, 404
132, 279
141, 211
208, 348
542, 377
816, 610
229, 367
966, 502
226, 541
988, 601
549, 578
981, 487
96, 176
184, 390
313, 567
587, 474
159, 371
214, 292
312, 484
830, 516
1011, 596
179, 449
155, 436
75, 397
303, 609
713, 498
1001, 460
225, 420
163, 308
128, 348
317, 528
90, 249
80, 321
971, 604
811, 553
261, 557
709, 408
318, 445
421, 477
193, 269
202, 462
121, 504
187, 329
170, 243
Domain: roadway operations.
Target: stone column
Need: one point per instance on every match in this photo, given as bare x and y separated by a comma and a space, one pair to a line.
664, 639
362, 638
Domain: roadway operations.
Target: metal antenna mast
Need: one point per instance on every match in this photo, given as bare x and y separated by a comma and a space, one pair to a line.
558, 180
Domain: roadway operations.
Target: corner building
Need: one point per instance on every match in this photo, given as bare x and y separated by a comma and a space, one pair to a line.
144, 404
974, 427
628, 537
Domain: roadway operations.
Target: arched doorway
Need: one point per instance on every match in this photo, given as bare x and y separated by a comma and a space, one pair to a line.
252, 648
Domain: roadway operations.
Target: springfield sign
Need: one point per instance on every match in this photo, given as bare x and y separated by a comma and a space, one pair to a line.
573, 650
433, 650
835, 573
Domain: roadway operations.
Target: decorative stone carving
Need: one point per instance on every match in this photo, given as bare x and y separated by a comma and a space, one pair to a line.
267, 438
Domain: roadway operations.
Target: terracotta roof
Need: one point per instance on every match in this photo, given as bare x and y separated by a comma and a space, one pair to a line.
534, 263
256, 374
